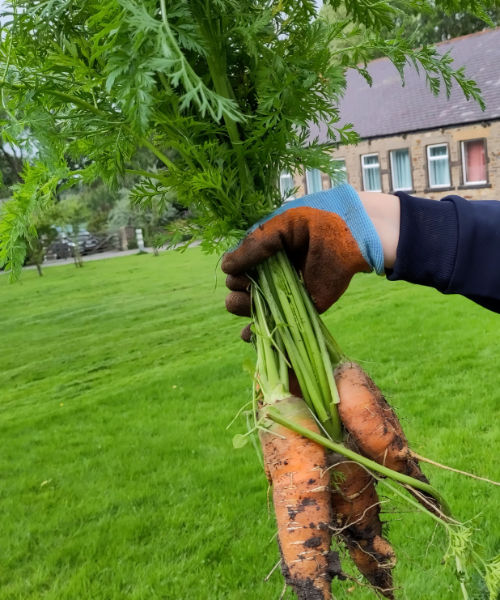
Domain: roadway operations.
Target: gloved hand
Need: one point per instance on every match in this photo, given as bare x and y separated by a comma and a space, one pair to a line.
327, 236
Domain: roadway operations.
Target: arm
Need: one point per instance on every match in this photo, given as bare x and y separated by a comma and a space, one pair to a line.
384, 212
452, 245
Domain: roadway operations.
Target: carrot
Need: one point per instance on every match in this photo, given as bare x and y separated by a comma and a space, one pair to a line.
355, 501
298, 471
374, 427
374, 558
356, 510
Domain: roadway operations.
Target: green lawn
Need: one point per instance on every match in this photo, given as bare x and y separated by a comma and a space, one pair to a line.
118, 476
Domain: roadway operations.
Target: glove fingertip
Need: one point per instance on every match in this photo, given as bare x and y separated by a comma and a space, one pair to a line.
239, 304
246, 333
238, 283
227, 263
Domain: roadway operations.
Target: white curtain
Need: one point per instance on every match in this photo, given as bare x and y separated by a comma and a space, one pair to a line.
439, 171
371, 173
313, 180
401, 169
286, 185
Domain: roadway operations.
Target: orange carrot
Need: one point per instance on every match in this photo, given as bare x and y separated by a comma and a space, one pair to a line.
355, 501
298, 471
374, 558
356, 510
373, 426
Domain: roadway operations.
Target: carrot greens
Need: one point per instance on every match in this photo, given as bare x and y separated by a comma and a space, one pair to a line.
221, 94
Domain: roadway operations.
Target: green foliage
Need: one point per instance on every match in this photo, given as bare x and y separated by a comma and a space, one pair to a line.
11, 160
38, 245
451, 20
72, 211
99, 200
423, 23
492, 577
23, 211
151, 208
220, 93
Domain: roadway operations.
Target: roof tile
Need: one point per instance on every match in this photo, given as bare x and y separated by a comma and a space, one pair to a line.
387, 108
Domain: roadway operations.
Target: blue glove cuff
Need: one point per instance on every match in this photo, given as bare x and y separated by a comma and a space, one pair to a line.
345, 202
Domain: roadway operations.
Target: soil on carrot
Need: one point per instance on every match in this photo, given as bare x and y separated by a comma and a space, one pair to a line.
375, 559
293, 512
313, 542
305, 589
356, 509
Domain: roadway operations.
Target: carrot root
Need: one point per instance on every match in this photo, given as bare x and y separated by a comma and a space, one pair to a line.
297, 468
356, 516
374, 559
374, 428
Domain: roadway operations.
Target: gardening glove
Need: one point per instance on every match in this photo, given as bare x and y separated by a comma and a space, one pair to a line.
327, 236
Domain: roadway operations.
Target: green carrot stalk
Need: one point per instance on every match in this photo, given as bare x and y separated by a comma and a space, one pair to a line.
294, 345
314, 369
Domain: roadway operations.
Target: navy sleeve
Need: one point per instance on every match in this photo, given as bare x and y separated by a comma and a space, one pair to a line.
452, 245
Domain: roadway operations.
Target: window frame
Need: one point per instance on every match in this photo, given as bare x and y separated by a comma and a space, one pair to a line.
377, 166
464, 168
394, 188
344, 169
320, 181
430, 158
286, 174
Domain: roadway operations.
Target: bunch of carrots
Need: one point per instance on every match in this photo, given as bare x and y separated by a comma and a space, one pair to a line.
328, 436
319, 494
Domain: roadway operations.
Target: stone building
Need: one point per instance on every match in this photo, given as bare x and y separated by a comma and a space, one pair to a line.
413, 141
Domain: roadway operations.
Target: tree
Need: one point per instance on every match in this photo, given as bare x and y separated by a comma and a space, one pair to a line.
11, 164
422, 23
72, 211
11, 156
46, 233
431, 26
152, 216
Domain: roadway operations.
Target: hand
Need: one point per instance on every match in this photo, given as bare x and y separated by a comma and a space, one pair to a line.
328, 236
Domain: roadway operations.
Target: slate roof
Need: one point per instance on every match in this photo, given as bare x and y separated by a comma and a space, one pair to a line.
387, 108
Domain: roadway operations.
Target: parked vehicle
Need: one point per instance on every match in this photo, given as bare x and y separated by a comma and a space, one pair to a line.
62, 247
87, 243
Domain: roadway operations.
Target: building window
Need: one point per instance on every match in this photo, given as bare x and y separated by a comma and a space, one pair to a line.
474, 162
401, 169
340, 172
313, 181
287, 186
371, 173
439, 165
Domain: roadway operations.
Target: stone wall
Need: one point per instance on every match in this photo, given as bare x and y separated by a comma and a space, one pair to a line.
417, 144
